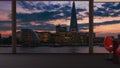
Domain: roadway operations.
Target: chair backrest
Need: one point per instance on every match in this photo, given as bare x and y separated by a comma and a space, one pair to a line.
108, 43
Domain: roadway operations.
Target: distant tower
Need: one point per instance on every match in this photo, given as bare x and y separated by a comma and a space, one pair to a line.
73, 22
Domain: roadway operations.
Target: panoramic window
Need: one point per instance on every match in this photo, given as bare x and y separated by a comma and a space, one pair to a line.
5, 27
106, 23
52, 26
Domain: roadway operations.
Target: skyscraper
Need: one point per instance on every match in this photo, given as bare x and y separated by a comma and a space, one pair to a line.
73, 22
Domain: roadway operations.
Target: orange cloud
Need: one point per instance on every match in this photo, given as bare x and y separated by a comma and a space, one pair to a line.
60, 21
67, 22
45, 31
103, 19
4, 16
34, 23
105, 30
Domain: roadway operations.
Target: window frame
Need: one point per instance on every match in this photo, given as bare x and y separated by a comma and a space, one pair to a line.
14, 22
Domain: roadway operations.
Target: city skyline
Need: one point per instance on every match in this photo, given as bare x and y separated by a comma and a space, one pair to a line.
104, 19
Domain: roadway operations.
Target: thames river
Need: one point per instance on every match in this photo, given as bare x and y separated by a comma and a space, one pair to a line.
82, 49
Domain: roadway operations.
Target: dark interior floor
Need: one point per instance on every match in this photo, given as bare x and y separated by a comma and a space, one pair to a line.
55, 61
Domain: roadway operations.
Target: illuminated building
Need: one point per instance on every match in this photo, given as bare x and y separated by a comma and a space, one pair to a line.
71, 38
61, 37
44, 37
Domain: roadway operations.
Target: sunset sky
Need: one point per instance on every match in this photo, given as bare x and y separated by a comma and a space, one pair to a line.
44, 16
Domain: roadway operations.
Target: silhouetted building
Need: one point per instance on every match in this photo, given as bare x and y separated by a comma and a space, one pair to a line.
0, 36
118, 36
60, 28
29, 37
73, 21
0, 39
18, 37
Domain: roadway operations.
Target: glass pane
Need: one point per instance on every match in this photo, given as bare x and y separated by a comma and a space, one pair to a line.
52, 26
106, 23
5, 27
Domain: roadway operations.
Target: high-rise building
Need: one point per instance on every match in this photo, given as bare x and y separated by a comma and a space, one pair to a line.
60, 28
44, 36
73, 22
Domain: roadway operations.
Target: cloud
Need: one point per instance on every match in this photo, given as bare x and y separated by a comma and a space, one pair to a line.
107, 23
45, 5
45, 16
47, 27
85, 26
107, 9
5, 16
5, 25
5, 6
57, 11
112, 6
26, 5
5, 10
43, 11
